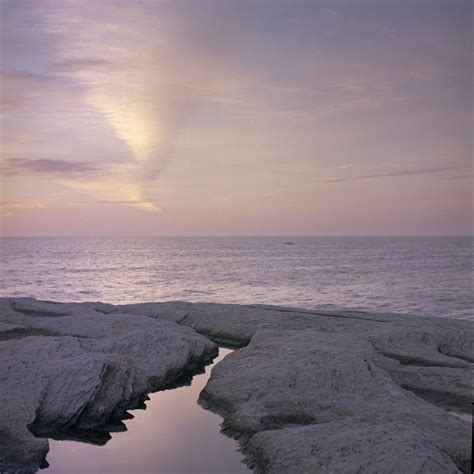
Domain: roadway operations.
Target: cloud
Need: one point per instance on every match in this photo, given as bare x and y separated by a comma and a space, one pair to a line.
21, 205
20, 89
147, 71
349, 166
119, 184
9, 208
144, 203
75, 64
462, 177
419, 171
17, 166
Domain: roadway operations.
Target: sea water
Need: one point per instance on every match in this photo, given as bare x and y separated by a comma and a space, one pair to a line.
413, 275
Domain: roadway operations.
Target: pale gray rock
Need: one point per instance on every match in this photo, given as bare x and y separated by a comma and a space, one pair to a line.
51, 384
306, 374
348, 447
235, 325
69, 368
309, 391
284, 382
297, 401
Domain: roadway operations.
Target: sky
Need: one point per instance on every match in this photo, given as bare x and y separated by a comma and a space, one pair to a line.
236, 117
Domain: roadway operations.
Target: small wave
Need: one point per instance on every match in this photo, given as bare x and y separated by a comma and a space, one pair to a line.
197, 292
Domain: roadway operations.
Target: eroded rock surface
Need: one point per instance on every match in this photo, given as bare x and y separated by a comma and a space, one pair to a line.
322, 391
309, 391
68, 367
304, 402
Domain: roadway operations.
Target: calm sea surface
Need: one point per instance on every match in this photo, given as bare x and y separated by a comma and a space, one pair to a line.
428, 276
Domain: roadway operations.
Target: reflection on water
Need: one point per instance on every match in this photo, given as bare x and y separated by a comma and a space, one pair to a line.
173, 435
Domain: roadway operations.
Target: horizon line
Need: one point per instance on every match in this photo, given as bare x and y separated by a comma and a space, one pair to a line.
229, 236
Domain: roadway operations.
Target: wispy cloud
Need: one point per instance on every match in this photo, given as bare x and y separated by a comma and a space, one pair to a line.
20, 89
127, 202
9, 208
17, 166
20, 205
348, 166
393, 174
117, 104
75, 64
146, 71
461, 177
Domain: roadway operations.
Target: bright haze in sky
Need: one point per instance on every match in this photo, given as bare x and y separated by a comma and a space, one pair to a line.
134, 118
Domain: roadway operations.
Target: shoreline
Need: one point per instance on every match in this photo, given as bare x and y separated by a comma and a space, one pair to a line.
306, 390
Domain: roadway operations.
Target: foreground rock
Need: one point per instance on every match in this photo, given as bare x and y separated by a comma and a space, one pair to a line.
67, 369
304, 402
318, 391
311, 391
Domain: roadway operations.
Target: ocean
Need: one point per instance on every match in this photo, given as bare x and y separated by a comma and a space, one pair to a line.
412, 275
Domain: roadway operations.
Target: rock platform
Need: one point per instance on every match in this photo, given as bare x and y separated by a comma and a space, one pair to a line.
307, 391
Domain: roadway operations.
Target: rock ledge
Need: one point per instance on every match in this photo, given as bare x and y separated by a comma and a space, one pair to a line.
309, 391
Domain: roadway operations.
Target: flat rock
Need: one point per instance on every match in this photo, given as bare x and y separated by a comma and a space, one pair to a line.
308, 391
300, 401
311, 389
348, 447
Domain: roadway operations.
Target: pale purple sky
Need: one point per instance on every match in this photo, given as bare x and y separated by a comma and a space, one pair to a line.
236, 117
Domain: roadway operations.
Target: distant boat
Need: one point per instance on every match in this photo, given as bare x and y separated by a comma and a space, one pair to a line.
289, 242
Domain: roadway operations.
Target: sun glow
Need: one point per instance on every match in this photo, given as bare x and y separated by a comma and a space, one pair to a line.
132, 123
